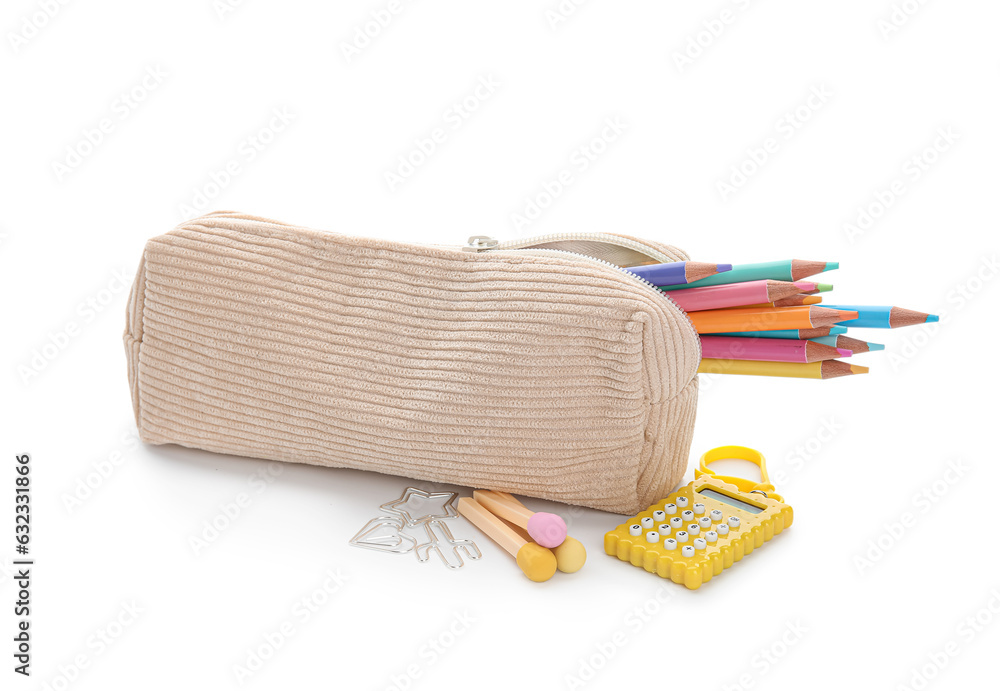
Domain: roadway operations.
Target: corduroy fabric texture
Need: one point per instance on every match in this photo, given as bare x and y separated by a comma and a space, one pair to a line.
542, 374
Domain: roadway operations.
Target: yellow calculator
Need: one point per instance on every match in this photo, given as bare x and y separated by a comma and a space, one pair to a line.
704, 527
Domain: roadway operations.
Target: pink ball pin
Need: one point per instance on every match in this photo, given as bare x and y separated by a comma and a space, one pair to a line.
546, 529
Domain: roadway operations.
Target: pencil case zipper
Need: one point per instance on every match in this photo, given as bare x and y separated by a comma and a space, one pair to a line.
485, 243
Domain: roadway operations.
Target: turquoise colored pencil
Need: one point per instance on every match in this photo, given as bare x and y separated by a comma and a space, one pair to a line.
883, 317
852, 344
795, 334
787, 270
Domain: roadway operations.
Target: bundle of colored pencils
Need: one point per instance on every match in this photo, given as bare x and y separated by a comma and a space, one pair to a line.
763, 319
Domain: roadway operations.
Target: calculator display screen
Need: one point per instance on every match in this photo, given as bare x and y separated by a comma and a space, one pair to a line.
726, 499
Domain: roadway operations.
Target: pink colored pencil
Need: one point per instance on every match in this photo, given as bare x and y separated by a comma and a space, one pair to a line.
767, 349
811, 287
732, 295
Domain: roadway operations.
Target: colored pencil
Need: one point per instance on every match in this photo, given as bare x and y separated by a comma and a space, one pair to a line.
825, 369
792, 301
884, 317
767, 349
732, 295
766, 318
811, 288
854, 345
795, 334
788, 270
677, 273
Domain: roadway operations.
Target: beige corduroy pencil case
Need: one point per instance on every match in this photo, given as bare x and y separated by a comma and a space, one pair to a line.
536, 367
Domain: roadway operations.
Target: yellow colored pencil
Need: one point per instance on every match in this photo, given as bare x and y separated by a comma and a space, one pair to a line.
826, 369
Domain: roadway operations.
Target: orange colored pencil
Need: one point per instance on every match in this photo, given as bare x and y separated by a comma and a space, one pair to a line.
766, 318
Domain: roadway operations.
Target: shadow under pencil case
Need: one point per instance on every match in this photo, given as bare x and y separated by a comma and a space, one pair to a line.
536, 367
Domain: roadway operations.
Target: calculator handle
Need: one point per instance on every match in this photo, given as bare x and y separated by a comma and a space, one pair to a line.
743, 453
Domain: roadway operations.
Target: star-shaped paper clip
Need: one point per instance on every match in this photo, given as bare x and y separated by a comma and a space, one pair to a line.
417, 506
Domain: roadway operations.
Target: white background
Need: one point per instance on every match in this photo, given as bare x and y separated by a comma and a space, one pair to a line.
825, 618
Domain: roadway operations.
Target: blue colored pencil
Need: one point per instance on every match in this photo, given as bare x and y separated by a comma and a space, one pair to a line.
853, 344
883, 317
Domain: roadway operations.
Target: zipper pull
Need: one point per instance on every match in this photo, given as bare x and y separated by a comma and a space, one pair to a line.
480, 243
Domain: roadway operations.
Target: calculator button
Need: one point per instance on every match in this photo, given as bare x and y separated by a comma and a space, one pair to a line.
670, 543
699, 543
670, 508
734, 522
722, 529
659, 516
711, 536
647, 522
663, 529
681, 536
688, 516
693, 529
652, 536
699, 509
705, 522
687, 551
677, 522
716, 515
682, 502
635, 530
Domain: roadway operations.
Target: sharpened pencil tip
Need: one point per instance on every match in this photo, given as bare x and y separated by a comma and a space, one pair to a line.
723, 267
844, 352
876, 346
859, 369
824, 287
931, 318
830, 266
